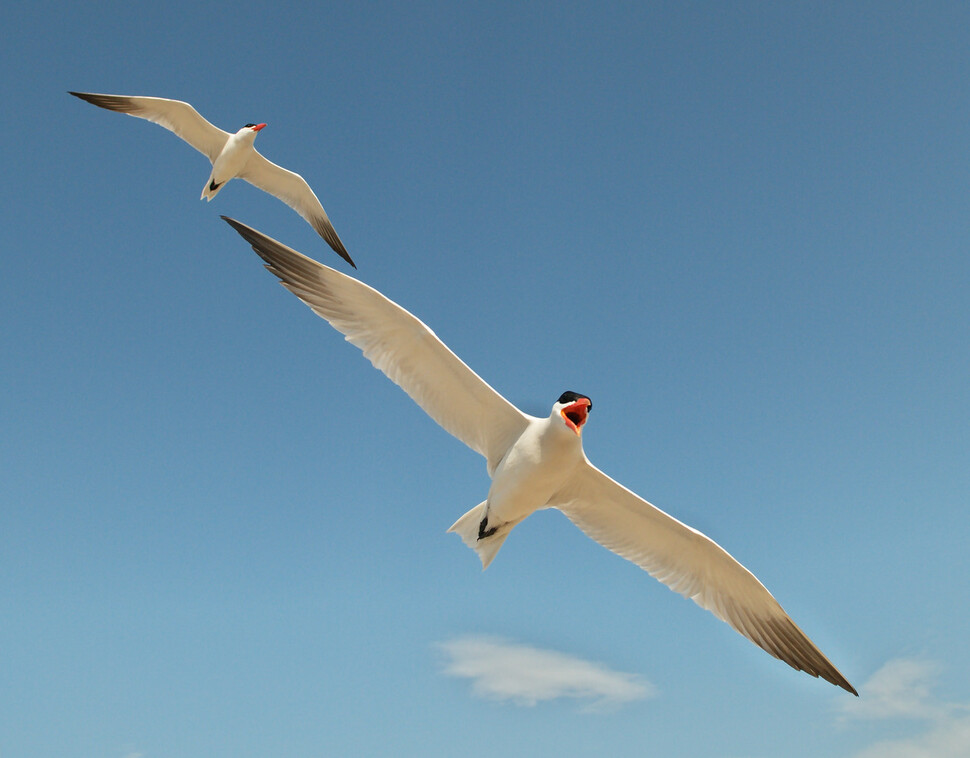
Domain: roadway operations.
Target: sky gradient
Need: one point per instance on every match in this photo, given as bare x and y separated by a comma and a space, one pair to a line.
741, 231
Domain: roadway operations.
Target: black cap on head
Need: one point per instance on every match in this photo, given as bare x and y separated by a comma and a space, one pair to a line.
572, 397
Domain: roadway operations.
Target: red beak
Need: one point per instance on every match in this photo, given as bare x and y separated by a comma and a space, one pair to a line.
575, 414
257, 127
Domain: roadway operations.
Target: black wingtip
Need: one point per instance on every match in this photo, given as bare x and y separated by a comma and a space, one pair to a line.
329, 234
117, 103
340, 250
337, 246
252, 236
245, 231
260, 242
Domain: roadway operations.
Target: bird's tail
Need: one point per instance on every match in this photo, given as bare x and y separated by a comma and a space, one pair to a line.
211, 189
467, 528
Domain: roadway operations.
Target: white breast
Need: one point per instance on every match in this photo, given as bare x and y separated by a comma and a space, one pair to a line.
534, 469
233, 157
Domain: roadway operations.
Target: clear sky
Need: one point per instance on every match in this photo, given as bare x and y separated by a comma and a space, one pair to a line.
743, 231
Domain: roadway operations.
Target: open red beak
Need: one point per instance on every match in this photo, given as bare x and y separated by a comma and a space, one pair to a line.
257, 127
575, 414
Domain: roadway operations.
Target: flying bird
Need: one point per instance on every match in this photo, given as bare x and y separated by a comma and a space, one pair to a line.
538, 463
231, 155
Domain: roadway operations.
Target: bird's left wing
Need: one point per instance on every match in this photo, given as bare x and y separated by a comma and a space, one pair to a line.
293, 190
401, 346
690, 563
175, 115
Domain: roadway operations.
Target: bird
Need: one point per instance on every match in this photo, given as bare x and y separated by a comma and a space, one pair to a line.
231, 155
536, 462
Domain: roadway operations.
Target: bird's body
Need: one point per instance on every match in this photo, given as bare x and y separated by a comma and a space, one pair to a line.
232, 159
231, 155
536, 466
539, 462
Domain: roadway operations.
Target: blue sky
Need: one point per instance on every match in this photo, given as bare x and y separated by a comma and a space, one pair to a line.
742, 231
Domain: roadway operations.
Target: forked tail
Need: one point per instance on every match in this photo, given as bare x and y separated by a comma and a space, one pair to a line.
467, 528
211, 189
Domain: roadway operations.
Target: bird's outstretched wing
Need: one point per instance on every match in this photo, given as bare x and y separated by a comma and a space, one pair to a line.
690, 563
401, 346
175, 115
293, 190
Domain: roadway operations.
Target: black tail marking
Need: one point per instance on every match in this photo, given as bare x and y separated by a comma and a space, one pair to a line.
483, 532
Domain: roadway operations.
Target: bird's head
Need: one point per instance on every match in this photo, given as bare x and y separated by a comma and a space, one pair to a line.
251, 129
573, 409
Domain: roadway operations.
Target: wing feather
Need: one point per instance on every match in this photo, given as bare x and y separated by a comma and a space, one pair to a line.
401, 346
690, 563
176, 116
293, 190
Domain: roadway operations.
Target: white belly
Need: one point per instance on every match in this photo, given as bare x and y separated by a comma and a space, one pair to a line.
231, 160
534, 469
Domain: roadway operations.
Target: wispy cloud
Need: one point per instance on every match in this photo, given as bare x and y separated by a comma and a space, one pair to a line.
903, 689
526, 675
900, 689
949, 738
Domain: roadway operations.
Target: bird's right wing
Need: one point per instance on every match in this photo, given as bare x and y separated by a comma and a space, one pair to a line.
690, 563
401, 346
175, 115
293, 190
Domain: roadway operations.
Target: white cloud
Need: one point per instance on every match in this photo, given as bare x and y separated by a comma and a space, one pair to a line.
902, 689
502, 670
947, 738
